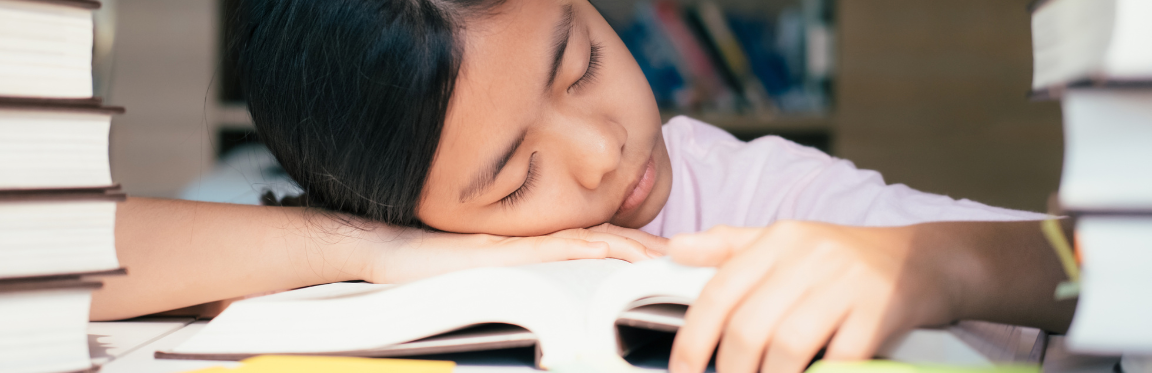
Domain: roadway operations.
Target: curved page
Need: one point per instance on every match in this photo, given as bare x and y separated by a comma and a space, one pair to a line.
548, 299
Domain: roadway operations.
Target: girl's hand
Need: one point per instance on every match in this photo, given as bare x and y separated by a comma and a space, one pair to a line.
415, 254
783, 292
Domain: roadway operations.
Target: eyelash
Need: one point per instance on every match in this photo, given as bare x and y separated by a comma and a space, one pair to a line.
518, 194
593, 67
589, 76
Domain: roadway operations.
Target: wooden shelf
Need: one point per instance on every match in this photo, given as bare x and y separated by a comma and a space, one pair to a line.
755, 123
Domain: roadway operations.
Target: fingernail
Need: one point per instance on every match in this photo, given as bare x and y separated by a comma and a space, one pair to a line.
678, 367
653, 253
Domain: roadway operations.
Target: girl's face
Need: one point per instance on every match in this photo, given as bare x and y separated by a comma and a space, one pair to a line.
551, 126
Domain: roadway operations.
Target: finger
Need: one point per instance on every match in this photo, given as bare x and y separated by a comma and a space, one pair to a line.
652, 242
753, 322
867, 329
694, 342
860, 337
808, 327
551, 249
619, 247
713, 247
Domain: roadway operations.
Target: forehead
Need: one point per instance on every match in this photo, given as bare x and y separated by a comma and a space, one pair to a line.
500, 85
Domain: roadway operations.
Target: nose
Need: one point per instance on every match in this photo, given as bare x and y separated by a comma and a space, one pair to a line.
595, 149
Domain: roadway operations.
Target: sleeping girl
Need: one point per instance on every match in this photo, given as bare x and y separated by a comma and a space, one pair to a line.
527, 117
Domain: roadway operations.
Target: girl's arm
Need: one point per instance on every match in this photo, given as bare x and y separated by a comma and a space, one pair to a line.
183, 253
785, 291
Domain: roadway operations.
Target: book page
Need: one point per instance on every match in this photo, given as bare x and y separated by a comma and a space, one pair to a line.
671, 283
578, 278
548, 299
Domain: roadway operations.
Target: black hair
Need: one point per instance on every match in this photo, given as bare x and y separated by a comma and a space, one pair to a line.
351, 95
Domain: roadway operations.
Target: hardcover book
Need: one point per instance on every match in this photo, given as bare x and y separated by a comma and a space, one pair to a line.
46, 48
54, 143
54, 233
573, 313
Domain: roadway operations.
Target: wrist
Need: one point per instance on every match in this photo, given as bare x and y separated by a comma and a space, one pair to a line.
969, 267
958, 267
372, 249
334, 248
381, 254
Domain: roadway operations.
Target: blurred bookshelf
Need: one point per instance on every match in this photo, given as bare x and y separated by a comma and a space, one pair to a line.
751, 122
751, 67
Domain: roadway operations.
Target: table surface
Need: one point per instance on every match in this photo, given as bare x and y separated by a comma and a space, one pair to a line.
128, 347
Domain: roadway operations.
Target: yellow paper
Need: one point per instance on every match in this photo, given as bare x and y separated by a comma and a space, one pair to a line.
327, 364
886, 366
1064, 252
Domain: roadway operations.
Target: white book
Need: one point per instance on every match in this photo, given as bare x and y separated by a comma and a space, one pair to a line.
572, 312
46, 144
46, 48
58, 233
1113, 312
1107, 150
42, 326
1091, 40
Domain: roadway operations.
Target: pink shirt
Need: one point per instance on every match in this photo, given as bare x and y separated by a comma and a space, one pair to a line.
717, 179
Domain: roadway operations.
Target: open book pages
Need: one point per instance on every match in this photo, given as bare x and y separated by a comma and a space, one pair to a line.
574, 312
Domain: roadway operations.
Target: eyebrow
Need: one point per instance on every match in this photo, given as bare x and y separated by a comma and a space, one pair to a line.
560, 36
487, 176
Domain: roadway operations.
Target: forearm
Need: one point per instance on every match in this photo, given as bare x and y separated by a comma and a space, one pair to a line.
182, 253
1005, 271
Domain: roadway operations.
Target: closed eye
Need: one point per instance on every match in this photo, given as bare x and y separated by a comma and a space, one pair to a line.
593, 67
517, 195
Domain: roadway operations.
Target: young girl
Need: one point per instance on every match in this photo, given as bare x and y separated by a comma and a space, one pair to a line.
528, 117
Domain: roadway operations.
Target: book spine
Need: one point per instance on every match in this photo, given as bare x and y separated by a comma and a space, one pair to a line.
110, 193
84, 4
59, 104
671, 75
705, 74
728, 53
64, 276
35, 284
1057, 91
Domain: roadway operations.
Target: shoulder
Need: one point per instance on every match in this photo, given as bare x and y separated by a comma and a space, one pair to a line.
683, 131
693, 136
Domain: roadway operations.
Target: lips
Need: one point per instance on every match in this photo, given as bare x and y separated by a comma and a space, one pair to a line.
640, 190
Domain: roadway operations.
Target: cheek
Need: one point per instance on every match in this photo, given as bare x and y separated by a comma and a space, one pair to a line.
561, 204
630, 90
630, 81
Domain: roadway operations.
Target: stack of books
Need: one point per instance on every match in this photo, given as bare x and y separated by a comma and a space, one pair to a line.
1096, 57
57, 199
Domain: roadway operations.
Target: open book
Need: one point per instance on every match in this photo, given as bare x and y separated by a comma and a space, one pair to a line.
573, 312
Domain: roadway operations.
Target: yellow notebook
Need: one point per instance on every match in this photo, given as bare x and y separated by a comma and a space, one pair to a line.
887, 366
310, 364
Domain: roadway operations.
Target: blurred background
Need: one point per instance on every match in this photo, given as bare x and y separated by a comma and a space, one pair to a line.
931, 93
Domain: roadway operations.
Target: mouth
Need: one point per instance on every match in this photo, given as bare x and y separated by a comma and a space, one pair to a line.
640, 189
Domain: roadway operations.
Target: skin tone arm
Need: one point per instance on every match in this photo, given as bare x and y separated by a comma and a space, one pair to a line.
783, 292
182, 253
